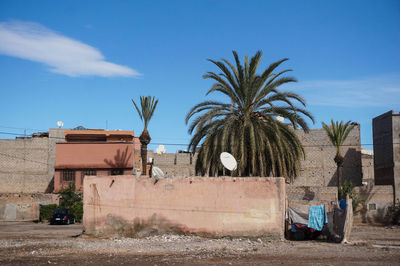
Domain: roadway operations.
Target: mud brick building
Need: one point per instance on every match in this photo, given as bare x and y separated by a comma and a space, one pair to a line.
94, 152
386, 135
317, 169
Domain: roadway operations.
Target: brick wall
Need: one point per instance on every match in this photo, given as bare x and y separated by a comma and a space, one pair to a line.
318, 168
175, 164
27, 165
386, 135
24, 165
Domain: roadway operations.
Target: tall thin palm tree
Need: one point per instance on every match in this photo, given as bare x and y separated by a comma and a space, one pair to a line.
246, 124
337, 133
148, 105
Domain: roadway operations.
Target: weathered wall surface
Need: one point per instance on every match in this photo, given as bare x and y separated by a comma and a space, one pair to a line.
396, 154
27, 165
367, 169
23, 207
375, 203
301, 197
319, 168
383, 149
94, 155
302, 194
372, 209
386, 135
122, 205
24, 165
175, 164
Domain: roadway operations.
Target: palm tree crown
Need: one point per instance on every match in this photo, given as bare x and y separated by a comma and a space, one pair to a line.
337, 133
148, 105
246, 126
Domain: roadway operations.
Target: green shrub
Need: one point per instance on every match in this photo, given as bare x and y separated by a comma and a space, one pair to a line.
72, 200
348, 189
46, 211
68, 197
393, 213
77, 210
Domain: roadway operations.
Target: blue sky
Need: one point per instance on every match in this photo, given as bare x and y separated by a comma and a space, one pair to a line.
81, 62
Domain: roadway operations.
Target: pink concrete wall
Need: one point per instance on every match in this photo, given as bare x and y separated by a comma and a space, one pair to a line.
94, 155
122, 205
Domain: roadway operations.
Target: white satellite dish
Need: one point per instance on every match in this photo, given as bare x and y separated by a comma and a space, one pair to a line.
157, 173
280, 119
60, 124
228, 161
161, 149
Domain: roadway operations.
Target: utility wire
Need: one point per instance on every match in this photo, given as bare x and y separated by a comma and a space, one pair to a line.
185, 144
20, 158
9, 133
22, 128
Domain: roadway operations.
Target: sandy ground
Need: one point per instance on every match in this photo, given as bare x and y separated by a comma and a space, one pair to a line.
42, 244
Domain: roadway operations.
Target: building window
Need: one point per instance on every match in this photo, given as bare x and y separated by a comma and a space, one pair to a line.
372, 207
117, 172
68, 176
87, 172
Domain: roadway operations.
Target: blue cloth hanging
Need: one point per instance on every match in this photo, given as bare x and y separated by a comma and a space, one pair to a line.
317, 217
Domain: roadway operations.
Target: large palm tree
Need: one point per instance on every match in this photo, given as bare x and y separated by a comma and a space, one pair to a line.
337, 133
148, 105
246, 125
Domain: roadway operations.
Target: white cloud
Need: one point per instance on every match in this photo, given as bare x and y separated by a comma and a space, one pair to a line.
64, 55
378, 91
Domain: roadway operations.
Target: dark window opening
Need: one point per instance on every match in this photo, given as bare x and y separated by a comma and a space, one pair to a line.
117, 172
68, 176
372, 207
88, 172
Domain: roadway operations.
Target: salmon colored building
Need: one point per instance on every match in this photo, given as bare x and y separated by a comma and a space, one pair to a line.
94, 152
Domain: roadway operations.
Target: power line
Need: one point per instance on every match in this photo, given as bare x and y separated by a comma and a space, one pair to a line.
186, 144
22, 128
20, 158
9, 133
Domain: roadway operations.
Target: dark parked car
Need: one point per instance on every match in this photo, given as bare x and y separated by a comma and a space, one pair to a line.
62, 216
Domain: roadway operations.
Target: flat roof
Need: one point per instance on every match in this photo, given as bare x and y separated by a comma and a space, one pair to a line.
99, 132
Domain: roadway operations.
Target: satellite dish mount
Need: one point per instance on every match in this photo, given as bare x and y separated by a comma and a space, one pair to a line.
228, 161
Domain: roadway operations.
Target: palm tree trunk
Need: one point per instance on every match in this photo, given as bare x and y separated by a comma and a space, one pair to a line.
143, 152
339, 175
144, 140
339, 162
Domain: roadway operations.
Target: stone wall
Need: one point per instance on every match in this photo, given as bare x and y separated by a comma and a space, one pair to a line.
123, 205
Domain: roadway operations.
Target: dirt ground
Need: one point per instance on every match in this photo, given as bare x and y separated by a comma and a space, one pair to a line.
26, 243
